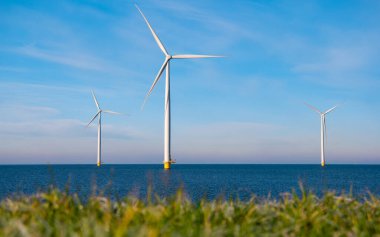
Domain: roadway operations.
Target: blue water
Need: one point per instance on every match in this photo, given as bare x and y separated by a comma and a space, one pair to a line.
198, 181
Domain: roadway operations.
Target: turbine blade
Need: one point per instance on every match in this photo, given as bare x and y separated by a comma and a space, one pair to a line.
96, 115
153, 33
184, 56
328, 111
111, 112
313, 108
96, 101
155, 81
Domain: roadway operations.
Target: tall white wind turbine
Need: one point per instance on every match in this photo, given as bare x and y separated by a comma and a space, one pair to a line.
99, 115
166, 65
323, 129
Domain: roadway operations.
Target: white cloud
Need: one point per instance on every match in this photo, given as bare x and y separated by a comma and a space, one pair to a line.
13, 69
69, 57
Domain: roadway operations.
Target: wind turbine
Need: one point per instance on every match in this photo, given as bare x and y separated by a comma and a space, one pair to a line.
99, 115
323, 129
166, 65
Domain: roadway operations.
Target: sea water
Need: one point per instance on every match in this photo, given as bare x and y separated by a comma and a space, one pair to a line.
197, 181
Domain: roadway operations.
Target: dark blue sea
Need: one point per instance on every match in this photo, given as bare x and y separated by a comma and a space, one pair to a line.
197, 181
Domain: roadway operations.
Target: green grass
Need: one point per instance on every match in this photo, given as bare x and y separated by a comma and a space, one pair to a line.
56, 213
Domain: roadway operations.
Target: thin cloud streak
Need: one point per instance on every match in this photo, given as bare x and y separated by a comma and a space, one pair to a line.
75, 60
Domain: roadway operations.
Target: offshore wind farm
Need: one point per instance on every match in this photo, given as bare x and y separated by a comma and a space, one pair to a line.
242, 156
235, 109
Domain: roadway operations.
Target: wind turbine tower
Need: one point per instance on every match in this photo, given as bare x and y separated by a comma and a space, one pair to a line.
166, 65
99, 115
323, 129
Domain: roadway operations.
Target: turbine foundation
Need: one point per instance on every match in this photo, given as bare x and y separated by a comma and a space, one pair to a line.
167, 165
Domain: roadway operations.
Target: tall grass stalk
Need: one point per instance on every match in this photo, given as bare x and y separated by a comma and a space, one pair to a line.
57, 213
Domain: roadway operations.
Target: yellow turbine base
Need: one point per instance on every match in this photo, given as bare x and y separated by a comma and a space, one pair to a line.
167, 165
98, 164
323, 164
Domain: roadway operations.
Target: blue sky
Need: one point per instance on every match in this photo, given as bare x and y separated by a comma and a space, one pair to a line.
245, 108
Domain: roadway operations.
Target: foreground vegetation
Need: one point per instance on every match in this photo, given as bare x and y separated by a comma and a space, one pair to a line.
56, 213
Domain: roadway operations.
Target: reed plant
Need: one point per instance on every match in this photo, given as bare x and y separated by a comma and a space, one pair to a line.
59, 213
